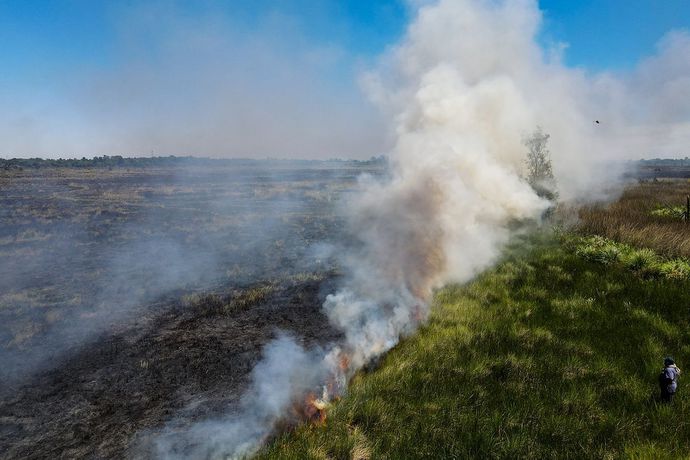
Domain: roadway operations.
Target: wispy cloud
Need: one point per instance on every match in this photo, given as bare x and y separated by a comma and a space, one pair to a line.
203, 85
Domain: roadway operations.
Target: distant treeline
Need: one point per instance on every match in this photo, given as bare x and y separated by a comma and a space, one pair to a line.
118, 161
665, 162
657, 168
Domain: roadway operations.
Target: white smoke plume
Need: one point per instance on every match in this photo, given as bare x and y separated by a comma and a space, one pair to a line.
462, 103
465, 86
286, 370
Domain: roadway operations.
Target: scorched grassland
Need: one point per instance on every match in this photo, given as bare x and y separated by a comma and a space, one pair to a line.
134, 297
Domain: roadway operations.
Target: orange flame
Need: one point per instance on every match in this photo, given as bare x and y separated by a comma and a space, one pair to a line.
344, 362
313, 410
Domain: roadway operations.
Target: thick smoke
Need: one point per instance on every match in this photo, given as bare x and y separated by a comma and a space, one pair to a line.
463, 89
457, 165
474, 71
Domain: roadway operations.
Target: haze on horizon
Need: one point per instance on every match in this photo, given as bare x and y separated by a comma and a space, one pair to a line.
280, 79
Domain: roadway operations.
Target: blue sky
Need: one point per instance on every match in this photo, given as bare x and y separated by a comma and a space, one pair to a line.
40, 35
59, 59
611, 34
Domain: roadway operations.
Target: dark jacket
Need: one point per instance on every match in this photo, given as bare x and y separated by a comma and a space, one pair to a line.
668, 379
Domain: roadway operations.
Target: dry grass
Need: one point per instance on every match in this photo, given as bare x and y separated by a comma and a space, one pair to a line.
633, 218
241, 299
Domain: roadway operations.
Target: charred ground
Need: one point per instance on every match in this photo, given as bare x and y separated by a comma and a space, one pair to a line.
98, 357
177, 358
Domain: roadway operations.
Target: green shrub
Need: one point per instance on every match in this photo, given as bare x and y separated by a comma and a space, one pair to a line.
642, 260
598, 249
677, 269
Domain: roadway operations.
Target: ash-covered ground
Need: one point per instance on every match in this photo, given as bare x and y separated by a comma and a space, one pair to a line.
130, 298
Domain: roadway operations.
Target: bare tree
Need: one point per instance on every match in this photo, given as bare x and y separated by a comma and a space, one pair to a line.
539, 171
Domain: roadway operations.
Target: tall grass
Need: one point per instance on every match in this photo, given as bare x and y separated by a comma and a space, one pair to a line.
646, 215
549, 355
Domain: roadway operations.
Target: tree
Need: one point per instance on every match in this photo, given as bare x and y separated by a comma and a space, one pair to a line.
539, 171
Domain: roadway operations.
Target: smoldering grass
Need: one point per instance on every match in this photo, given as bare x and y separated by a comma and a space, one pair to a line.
250, 297
112, 243
241, 299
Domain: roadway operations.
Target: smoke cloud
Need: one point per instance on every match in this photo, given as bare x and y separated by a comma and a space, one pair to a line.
462, 90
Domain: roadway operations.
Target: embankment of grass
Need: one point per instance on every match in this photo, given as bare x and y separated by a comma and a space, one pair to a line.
547, 355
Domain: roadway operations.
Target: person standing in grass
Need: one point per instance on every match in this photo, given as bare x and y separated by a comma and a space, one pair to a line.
668, 380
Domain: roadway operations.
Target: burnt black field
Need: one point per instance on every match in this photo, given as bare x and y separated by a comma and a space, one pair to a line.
130, 297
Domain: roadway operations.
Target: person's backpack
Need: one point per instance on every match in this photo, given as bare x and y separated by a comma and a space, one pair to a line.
663, 381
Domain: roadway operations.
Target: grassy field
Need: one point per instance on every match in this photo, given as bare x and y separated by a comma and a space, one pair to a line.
646, 215
549, 355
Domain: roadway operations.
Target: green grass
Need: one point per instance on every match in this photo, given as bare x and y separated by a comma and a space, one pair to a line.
548, 355
644, 261
669, 212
